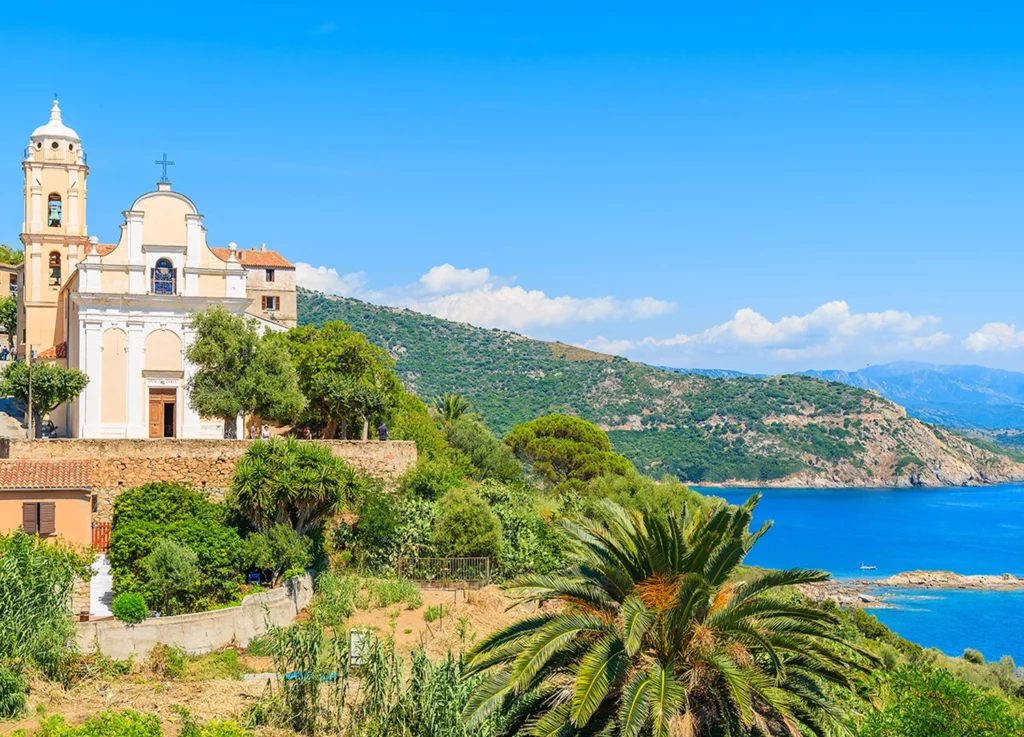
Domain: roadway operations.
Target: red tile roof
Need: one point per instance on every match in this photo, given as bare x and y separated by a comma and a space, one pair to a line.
26, 474
58, 351
264, 259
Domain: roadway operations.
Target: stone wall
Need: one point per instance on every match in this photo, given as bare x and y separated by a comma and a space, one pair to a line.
204, 464
203, 632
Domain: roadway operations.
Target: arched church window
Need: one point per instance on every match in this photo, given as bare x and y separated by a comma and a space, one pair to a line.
53, 217
54, 268
164, 277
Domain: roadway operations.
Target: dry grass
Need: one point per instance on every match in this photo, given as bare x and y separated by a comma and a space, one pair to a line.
563, 352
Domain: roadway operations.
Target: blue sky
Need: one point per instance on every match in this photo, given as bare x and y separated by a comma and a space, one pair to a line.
759, 186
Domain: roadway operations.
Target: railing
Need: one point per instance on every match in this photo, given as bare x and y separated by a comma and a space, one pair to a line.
100, 536
446, 572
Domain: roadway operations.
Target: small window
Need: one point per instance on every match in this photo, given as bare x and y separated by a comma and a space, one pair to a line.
270, 275
39, 518
271, 303
55, 145
164, 277
14, 282
55, 269
53, 217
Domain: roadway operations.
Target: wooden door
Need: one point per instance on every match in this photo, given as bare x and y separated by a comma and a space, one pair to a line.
158, 398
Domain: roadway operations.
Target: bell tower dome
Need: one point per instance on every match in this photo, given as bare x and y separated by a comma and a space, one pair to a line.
54, 231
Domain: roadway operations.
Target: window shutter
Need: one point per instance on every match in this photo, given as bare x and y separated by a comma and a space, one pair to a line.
47, 518
29, 517
264, 303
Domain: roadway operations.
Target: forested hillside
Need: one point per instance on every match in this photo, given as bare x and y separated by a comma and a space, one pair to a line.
700, 428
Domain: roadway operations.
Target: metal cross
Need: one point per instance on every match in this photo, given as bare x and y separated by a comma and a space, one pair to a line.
165, 163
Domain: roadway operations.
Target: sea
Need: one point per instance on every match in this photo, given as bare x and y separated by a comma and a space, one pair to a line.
965, 530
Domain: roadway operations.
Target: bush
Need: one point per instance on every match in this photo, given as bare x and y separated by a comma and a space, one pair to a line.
530, 543
276, 550
130, 608
973, 656
383, 592
133, 724
158, 511
173, 574
433, 613
431, 479
466, 526
12, 690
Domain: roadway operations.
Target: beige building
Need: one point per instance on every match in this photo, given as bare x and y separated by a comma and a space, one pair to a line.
120, 311
51, 499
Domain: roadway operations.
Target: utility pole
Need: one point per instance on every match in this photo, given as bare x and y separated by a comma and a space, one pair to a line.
28, 359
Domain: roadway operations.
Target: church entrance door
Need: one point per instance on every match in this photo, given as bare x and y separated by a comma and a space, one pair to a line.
162, 413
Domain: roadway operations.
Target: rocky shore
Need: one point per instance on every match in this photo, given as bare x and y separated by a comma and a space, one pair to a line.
875, 593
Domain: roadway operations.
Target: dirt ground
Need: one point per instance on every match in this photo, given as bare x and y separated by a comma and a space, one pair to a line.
468, 616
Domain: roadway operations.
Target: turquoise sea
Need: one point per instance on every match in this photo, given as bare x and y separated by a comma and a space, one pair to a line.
966, 530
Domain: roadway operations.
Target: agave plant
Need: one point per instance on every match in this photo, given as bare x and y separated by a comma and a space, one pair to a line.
657, 635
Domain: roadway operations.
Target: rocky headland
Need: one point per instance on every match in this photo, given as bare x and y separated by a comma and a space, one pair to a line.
875, 593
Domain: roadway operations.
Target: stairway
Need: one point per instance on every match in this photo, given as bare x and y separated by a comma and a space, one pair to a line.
100, 587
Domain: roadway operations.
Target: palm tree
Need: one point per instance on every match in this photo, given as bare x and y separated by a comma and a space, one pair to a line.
450, 407
656, 635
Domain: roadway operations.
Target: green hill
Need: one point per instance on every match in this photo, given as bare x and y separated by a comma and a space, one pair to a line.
785, 429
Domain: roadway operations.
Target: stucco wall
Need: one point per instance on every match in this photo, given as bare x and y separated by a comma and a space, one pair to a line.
205, 464
200, 633
71, 512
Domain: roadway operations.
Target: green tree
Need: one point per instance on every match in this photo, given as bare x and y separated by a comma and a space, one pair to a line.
449, 408
12, 256
466, 526
490, 458
52, 386
655, 638
174, 576
344, 377
288, 482
411, 421
9, 318
274, 551
919, 701
561, 448
238, 370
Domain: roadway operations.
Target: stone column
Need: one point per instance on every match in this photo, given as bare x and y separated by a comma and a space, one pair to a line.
190, 418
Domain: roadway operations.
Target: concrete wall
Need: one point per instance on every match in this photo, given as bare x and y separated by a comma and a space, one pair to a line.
203, 632
204, 464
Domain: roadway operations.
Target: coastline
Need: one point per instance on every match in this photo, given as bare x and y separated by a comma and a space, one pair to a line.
865, 594
831, 483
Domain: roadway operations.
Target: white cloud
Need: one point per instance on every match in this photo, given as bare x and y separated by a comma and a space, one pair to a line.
826, 330
446, 278
995, 336
329, 281
479, 297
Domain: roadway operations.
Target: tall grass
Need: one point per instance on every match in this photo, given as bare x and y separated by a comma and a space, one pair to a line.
319, 692
338, 597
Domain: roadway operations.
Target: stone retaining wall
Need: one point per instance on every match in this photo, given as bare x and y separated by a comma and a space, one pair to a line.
204, 464
203, 632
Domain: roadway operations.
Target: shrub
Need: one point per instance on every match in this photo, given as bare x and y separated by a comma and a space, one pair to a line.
166, 661
383, 592
466, 526
130, 608
172, 570
276, 550
433, 613
334, 600
12, 690
530, 543
158, 511
973, 656
431, 479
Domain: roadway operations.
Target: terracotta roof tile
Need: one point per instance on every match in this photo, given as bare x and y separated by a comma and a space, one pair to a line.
28, 474
58, 351
266, 259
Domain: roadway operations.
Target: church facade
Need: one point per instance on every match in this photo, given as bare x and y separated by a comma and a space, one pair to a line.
120, 311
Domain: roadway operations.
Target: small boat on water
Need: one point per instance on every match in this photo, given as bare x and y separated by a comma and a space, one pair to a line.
868, 568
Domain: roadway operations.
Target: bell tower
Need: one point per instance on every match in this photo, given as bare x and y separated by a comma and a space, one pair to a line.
54, 231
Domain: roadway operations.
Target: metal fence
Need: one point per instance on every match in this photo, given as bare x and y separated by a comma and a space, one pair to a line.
446, 572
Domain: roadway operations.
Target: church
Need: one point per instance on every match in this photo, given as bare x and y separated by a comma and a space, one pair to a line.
119, 312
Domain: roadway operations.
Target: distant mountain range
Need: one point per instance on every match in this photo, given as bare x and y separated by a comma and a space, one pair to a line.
957, 396
968, 397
